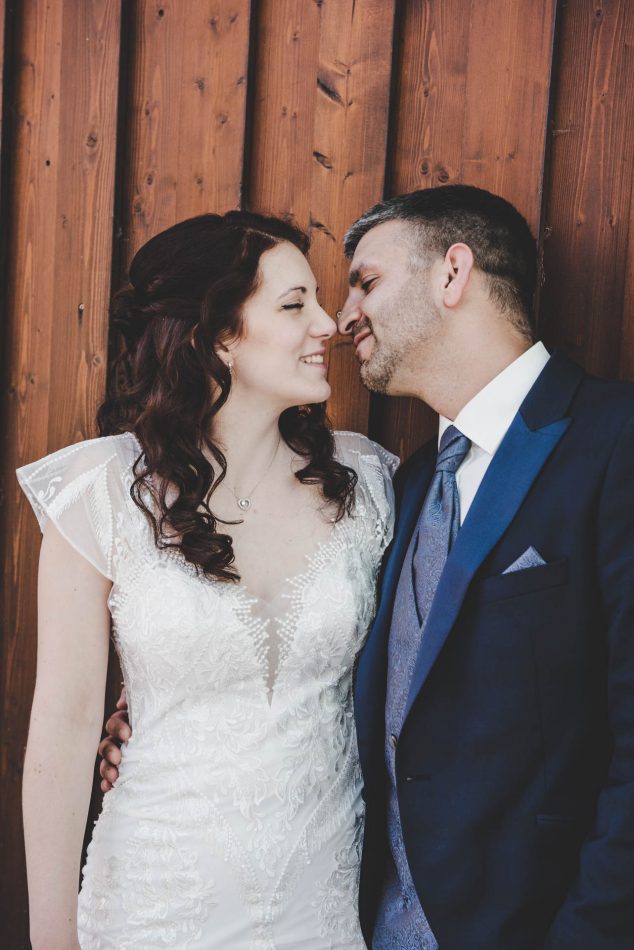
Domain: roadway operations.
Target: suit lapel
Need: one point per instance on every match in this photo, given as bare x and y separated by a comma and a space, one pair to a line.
532, 437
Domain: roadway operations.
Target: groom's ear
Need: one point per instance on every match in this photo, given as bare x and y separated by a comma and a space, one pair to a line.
456, 271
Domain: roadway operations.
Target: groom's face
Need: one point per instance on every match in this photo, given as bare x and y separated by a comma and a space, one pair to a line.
389, 311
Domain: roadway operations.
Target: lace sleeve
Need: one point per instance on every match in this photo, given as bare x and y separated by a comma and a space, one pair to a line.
74, 488
375, 467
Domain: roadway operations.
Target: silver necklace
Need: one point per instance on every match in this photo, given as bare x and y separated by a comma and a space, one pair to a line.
244, 501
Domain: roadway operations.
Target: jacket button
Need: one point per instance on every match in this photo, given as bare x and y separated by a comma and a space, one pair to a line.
393, 741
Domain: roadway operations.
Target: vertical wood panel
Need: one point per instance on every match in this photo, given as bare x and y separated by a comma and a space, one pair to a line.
284, 98
626, 363
59, 281
589, 193
320, 131
3, 17
186, 113
471, 106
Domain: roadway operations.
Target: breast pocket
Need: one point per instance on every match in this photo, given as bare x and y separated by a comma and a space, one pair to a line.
519, 583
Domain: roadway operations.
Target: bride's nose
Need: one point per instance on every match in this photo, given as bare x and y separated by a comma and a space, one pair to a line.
323, 325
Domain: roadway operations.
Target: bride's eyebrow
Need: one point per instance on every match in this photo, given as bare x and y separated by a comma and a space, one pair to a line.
290, 291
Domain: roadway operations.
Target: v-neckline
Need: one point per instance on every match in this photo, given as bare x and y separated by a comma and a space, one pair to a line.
292, 588
309, 558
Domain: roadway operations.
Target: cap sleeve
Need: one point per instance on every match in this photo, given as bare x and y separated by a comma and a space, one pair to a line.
77, 488
375, 467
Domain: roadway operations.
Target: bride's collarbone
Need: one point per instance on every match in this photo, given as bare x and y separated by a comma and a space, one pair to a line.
296, 506
274, 527
271, 542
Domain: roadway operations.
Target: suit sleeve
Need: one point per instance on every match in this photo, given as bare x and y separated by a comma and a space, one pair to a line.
599, 909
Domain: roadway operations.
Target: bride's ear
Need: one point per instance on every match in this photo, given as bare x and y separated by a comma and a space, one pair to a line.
226, 353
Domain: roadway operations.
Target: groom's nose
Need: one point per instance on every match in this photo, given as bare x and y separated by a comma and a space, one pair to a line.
349, 315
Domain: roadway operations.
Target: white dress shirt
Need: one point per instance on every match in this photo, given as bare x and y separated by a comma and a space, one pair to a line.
487, 417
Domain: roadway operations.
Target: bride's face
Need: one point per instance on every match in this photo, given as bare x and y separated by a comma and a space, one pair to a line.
280, 356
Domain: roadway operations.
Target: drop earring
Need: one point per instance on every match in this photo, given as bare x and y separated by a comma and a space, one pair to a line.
230, 367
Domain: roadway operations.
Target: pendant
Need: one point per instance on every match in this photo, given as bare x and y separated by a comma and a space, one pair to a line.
244, 504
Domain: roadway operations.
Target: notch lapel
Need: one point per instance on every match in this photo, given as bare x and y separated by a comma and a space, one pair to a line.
530, 440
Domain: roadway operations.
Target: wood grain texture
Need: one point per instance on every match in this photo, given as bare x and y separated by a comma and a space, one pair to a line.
471, 104
586, 305
284, 98
320, 133
58, 286
185, 113
626, 361
3, 19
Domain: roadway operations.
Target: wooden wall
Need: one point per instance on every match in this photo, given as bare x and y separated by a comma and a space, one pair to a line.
121, 118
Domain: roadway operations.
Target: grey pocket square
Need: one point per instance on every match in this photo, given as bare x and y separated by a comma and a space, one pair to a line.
530, 558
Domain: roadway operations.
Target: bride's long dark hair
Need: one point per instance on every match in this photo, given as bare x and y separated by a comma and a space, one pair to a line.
188, 286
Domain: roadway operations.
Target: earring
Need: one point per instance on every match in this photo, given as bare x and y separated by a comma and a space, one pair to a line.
230, 367
338, 314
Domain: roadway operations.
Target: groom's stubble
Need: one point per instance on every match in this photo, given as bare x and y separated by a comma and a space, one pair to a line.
401, 329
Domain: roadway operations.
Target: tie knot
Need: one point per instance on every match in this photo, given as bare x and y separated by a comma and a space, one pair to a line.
453, 448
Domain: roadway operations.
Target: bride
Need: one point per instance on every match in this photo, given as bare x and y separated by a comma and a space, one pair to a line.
232, 542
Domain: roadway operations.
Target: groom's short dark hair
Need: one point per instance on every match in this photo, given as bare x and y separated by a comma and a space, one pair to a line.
501, 242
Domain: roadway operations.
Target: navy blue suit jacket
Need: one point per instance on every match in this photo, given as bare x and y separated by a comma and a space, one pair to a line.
515, 764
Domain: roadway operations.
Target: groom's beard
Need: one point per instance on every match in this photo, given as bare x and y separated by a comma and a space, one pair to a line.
411, 321
377, 371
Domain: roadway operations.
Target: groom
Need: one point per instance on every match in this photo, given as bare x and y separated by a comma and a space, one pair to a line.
495, 695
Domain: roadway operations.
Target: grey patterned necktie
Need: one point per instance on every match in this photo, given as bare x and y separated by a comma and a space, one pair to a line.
439, 521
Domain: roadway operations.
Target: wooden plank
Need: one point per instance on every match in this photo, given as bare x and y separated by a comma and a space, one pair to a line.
186, 113
63, 147
284, 97
626, 365
5, 29
471, 103
321, 107
3, 18
590, 190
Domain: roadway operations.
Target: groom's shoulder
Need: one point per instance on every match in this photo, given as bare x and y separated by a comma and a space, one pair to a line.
606, 401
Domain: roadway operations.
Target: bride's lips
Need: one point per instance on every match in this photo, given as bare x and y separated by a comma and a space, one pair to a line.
307, 360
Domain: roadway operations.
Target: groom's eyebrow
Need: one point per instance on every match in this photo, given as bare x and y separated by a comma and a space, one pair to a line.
355, 276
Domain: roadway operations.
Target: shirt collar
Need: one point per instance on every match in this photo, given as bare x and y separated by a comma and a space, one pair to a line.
487, 417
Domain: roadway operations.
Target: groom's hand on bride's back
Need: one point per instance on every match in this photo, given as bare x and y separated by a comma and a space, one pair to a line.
118, 731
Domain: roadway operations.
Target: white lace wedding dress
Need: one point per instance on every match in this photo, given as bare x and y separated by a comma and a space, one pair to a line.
237, 816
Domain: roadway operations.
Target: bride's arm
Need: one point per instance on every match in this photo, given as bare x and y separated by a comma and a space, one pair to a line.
72, 657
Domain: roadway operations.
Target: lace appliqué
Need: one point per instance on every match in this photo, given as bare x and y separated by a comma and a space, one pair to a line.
340, 891
165, 901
